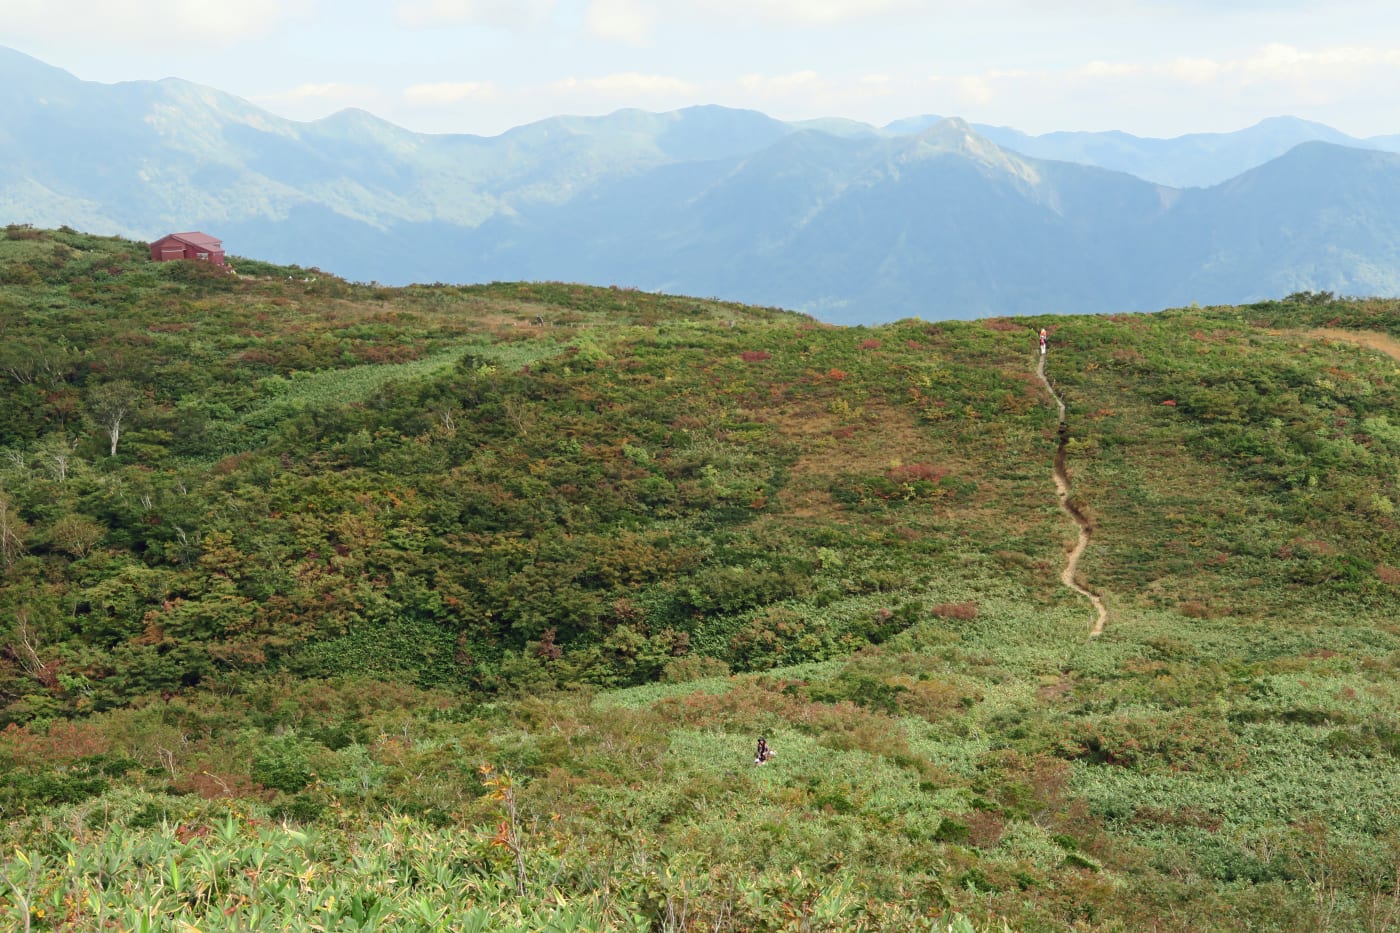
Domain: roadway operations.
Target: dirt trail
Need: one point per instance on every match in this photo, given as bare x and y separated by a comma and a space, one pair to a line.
1069, 575
1367, 338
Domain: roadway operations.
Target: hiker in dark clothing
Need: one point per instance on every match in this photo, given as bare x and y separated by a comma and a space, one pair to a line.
764, 752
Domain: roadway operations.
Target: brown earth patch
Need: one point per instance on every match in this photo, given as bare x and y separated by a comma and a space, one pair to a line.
1372, 340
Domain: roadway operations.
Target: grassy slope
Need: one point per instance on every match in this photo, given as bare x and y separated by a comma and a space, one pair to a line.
616, 487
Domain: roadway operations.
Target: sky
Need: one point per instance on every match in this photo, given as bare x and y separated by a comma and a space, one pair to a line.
1158, 68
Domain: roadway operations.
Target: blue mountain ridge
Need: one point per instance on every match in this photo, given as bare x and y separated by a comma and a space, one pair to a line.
928, 216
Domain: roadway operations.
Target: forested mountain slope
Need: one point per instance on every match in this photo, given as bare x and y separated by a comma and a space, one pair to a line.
472, 602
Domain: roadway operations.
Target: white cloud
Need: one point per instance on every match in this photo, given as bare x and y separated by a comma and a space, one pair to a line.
1101, 69
769, 86
626, 84
211, 24
808, 94
1348, 86
979, 90
328, 91
621, 20
1193, 70
975, 89
1286, 63
805, 12
449, 92
1286, 72
504, 14
315, 100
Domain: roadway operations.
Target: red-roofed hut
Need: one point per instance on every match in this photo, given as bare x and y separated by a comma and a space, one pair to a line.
188, 246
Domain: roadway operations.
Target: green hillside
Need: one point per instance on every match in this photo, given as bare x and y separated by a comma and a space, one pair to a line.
463, 608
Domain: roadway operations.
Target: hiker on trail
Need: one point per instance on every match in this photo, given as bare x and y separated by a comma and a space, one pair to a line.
1044, 339
764, 752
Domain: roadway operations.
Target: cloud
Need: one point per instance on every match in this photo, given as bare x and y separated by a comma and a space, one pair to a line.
1101, 69
979, 90
313, 101
449, 92
503, 14
212, 24
808, 94
1190, 93
1286, 63
328, 91
1192, 70
805, 12
769, 86
1276, 64
621, 20
627, 84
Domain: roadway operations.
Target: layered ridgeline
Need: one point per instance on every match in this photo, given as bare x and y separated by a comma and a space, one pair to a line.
328, 606
853, 223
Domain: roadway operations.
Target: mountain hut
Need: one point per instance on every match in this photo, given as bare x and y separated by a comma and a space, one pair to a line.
188, 246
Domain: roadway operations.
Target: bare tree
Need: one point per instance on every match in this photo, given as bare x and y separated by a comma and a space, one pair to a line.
56, 454
12, 531
29, 362
521, 415
25, 647
111, 403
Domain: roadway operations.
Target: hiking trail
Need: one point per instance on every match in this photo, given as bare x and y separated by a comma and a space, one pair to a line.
1086, 528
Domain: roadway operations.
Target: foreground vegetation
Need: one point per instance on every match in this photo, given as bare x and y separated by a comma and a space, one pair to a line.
331, 606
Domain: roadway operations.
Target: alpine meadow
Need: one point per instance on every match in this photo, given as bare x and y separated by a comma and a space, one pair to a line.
336, 606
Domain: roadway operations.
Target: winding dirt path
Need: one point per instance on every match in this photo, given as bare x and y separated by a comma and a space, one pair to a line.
1372, 340
1069, 576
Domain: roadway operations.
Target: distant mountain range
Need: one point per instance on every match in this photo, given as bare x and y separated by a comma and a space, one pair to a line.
853, 223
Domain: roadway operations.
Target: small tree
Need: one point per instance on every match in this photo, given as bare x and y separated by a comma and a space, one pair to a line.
55, 452
77, 535
12, 532
111, 403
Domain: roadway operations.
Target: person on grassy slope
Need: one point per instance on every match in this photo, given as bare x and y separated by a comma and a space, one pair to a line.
764, 752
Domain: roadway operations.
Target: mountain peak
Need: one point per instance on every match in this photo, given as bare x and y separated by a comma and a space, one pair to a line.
954, 135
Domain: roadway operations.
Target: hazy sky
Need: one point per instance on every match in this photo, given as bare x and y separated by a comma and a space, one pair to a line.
1150, 67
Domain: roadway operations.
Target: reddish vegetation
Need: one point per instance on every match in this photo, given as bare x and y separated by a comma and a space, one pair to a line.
61, 744
228, 785
984, 828
965, 610
370, 353
871, 344
755, 356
